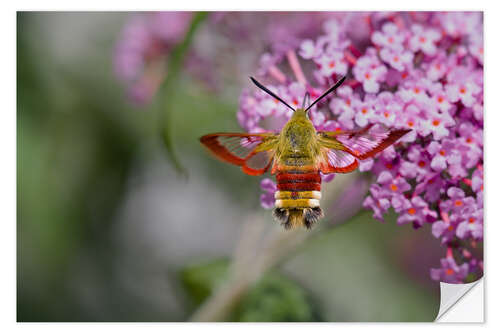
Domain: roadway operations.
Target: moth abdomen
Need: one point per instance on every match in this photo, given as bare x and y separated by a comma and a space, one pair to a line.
295, 217
298, 198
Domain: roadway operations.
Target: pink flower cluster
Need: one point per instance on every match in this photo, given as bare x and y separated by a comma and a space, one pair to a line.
140, 56
422, 71
147, 39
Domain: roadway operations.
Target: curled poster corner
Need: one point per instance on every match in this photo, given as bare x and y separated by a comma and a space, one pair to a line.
462, 302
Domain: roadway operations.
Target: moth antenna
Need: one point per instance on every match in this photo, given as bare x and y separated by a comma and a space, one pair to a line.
306, 100
339, 82
258, 84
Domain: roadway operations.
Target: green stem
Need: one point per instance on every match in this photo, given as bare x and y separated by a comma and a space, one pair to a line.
169, 88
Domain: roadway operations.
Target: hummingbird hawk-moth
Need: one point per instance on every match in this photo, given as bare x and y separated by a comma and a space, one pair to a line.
297, 155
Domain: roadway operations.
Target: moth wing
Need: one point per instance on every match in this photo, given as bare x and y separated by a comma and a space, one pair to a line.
364, 143
252, 152
342, 149
337, 161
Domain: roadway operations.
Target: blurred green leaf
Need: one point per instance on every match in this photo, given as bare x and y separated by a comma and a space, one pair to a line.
274, 298
200, 280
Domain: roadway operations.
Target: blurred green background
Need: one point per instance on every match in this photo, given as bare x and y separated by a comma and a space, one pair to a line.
107, 230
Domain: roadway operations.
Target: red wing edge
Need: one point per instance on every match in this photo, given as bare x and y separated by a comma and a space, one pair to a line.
239, 149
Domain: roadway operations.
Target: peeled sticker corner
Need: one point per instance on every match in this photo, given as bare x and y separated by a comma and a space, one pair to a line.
462, 302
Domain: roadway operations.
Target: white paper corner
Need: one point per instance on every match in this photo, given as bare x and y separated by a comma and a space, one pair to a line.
462, 303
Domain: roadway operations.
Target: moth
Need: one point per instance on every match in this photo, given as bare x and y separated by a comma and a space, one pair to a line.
297, 156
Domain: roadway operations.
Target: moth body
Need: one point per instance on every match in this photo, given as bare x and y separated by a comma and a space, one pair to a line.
297, 175
298, 155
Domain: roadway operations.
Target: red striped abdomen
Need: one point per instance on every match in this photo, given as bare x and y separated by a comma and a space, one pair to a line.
298, 189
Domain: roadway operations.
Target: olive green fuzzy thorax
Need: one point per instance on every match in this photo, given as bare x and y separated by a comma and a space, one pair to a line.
298, 142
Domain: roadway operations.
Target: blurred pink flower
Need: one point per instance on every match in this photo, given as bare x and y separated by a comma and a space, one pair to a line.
267, 198
450, 272
390, 36
398, 58
147, 39
370, 71
140, 52
424, 40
